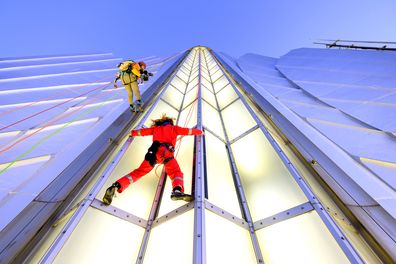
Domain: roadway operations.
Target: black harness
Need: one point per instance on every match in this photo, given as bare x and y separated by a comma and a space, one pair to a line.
151, 155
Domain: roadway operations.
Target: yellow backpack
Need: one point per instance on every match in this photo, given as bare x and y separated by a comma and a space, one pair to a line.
129, 66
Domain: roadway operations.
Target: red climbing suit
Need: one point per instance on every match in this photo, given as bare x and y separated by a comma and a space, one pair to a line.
165, 135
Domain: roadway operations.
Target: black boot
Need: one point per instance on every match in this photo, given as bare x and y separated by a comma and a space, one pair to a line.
108, 197
177, 194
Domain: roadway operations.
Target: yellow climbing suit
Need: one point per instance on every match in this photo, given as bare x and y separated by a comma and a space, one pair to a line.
129, 74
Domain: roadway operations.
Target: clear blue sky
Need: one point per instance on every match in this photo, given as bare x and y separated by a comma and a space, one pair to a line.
131, 29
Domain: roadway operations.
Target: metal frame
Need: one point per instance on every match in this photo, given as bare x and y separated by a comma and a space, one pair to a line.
338, 235
240, 192
199, 253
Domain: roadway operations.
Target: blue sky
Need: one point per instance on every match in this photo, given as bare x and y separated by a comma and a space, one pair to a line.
131, 29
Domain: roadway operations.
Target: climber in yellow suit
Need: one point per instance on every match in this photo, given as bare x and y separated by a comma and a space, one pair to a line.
130, 73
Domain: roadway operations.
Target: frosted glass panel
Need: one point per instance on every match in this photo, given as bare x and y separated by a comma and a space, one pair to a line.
102, 238
190, 96
171, 241
216, 75
179, 84
220, 83
173, 97
302, 239
227, 242
208, 96
192, 84
184, 156
268, 185
219, 177
211, 119
226, 96
161, 108
139, 196
188, 117
237, 119
207, 84
183, 76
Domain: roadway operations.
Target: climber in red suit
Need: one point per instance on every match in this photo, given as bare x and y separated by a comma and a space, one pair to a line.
161, 151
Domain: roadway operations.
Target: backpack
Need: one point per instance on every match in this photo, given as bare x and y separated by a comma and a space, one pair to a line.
126, 66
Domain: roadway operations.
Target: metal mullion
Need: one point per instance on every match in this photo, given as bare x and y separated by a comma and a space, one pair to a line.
247, 132
223, 213
172, 214
214, 134
282, 216
240, 193
199, 255
336, 232
117, 212
153, 213
166, 102
233, 101
62, 237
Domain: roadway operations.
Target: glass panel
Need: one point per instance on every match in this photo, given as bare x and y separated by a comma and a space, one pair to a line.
304, 239
227, 242
219, 176
216, 75
211, 119
173, 96
192, 84
188, 116
237, 119
185, 71
171, 241
220, 83
205, 75
184, 156
268, 185
139, 196
190, 96
97, 238
207, 84
179, 84
226, 96
183, 76
161, 108
208, 96
213, 68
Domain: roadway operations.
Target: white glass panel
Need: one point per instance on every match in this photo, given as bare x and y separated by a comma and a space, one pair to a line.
186, 69
268, 185
190, 96
179, 84
188, 116
219, 83
207, 84
213, 68
183, 76
219, 176
173, 96
194, 75
302, 239
211, 119
208, 96
226, 96
139, 196
102, 238
216, 75
237, 119
161, 108
171, 241
184, 156
227, 242
205, 75
192, 84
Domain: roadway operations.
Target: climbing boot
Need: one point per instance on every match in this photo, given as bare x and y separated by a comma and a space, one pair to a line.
110, 192
139, 105
179, 195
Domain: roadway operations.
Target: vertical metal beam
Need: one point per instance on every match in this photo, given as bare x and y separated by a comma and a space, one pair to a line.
240, 192
338, 235
61, 239
160, 188
199, 203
